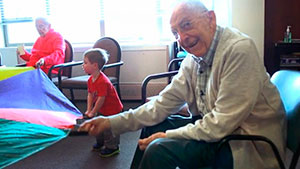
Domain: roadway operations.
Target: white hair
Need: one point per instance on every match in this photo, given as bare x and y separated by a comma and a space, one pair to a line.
44, 19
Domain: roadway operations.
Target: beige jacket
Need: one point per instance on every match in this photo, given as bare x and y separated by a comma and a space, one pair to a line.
240, 99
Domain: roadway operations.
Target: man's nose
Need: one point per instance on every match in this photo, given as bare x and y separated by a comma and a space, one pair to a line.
181, 36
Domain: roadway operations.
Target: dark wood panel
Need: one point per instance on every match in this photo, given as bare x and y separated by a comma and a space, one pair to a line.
278, 15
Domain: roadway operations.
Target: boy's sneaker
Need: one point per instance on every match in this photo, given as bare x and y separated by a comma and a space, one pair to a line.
97, 147
107, 152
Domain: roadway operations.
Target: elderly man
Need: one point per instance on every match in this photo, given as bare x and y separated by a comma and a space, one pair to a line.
49, 48
228, 92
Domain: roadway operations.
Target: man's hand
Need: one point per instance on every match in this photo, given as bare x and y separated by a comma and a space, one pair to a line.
40, 63
95, 126
143, 143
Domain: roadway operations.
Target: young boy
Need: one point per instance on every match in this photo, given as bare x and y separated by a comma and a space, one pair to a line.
102, 99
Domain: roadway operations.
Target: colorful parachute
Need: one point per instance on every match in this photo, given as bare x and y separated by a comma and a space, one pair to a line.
34, 114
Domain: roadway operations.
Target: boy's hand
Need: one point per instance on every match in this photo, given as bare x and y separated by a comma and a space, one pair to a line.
95, 126
89, 114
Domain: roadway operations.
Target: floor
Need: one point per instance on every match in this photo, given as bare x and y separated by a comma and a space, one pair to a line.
75, 152
81, 105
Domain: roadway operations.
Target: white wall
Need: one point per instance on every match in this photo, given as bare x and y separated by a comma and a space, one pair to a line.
248, 17
137, 65
9, 57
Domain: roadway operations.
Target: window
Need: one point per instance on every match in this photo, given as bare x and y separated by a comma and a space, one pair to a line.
143, 21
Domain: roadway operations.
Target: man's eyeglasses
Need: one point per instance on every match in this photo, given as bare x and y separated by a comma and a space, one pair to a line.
186, 25
183, 27
41, 26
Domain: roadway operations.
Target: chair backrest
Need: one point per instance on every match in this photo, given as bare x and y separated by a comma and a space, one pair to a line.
68, 58
114, 50
288, 85
174, 65
176, 49
178, 52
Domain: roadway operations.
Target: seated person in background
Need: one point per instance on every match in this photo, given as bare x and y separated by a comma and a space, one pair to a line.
102, 99
228, 91
49, 48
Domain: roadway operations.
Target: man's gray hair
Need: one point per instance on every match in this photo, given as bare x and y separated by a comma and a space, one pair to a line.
192, 5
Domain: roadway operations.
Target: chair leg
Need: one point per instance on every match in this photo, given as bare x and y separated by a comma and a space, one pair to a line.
295, 158
72, 95
118, 91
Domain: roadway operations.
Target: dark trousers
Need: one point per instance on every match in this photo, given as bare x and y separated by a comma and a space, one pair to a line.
169, 153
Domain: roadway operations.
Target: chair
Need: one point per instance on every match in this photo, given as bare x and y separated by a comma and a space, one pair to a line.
66, 72
172, 70
288, 84
113, 47
111, 69
178, 52
169, 74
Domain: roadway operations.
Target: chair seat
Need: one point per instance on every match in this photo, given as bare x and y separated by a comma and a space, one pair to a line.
55, 79
79, 82
113, 80
111, 68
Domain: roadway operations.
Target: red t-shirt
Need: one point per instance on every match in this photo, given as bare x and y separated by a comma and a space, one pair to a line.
103, 87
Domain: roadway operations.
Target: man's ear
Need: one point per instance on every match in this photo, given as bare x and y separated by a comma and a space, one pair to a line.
212, 19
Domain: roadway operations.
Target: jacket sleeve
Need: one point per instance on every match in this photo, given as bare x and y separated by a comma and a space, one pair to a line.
58, 55
26, 56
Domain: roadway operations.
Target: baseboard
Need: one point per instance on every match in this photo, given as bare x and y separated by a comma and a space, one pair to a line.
80, 95
132, 91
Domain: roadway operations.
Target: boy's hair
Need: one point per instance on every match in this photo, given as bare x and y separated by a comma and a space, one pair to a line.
97, 55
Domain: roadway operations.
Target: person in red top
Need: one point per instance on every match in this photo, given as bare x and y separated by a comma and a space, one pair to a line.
49, 48
102, 99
